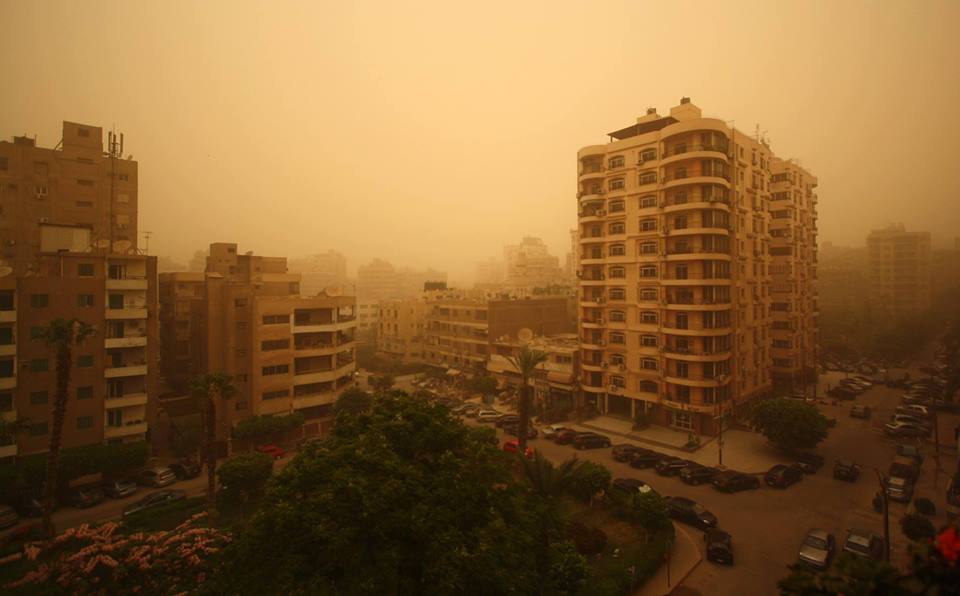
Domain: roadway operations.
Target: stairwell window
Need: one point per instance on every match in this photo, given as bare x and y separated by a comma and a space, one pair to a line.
648, 155
649, 294
648, 271
648, 386
648, 248
617, 206
615, 162
618, 381
618, 294
617, 359
648, 341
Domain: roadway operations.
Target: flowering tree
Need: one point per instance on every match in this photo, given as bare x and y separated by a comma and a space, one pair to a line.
96, 560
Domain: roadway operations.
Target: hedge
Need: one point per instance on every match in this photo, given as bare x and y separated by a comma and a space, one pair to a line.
261, 426
110, 460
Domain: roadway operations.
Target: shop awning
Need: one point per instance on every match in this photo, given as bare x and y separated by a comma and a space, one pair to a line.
560, 377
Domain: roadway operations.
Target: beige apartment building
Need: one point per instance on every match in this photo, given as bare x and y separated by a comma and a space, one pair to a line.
322, 272
245, 317
68, 249
530, 264
458, 330
401, 329
899, 269
793, 267
675, 269
556, 382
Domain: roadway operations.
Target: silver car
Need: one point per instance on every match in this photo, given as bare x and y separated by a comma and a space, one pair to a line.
817, 549
899, 489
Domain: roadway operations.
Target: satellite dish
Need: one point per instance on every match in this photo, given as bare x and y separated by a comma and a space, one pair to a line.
525, 334
103, 243
122, 246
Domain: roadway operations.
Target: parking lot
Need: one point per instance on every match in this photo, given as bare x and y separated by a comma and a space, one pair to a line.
768, 524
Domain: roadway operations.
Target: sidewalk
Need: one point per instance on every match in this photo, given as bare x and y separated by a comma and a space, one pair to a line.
683, 560
655, 436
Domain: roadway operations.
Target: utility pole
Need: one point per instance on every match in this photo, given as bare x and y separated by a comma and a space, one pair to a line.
886, 515
146, 238
719, 420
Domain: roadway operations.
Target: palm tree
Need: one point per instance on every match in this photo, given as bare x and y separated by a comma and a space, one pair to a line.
526, 362
549, 483
62, 335
209, 390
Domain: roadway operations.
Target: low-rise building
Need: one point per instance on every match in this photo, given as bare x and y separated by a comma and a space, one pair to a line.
555, 381
401, 329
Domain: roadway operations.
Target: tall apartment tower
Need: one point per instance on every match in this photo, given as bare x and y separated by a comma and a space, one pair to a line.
245, 317
68, 232
899, 266
675, 269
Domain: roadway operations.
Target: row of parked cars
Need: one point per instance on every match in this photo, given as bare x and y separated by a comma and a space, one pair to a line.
819, 547
915, 416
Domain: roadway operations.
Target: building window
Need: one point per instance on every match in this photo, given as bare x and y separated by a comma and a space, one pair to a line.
648, 178
276, 319
618, 381
278, 369
648, 225
39, 365
618, 294
618, 338
38, 429
85, 300
648, 201
618, 316
85, 269
114, 418
618, 227
648, 271
648, 294
618, 250
617, 184
648, 387
39, 398
648, 155
85, 392
648, 317
617, 205
39, 300
648, 248
618, 272
615, 162
4, 163
84, 422
275, 344
276, 394
240, 302
648, 363
648, 341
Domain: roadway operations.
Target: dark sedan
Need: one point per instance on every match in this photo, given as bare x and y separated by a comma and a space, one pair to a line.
506, 419
719, 546
846, 470
782, 475
646, 459
118, 488
671, 466
590, 441
630, 486
83, 496
690, 512
731, 482
185, 469
810, 462
624, 452
565, 436
155, 499
514, 431
696, 474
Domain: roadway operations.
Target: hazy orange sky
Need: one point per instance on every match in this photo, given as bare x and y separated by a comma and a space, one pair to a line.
433, 133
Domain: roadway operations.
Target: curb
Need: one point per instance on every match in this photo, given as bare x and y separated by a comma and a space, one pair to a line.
692, 567
633, 437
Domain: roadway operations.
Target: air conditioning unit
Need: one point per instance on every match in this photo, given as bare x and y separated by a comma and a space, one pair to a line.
601, 212
601, 342
613, 388
622, 366
600, 300
598, 321
603, 365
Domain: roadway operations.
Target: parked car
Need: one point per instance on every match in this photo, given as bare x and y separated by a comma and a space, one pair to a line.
817, 549
630, 486
29, 505
782, 475
846, 470
730, 481
690, 512
590, 441
514, 430
645, 459
911, 451
863, 381
155, 499
905, 467
899, 489
719, 545
506, 419
905, 429
624, 452
914, 410
82, 497
911, 419
513, 446
157, 477
118, 488
488, 415
274, 451
671, 466
8, 516
550, 431
810, 462
860, 411
841, 392
864, 544
565, 436
187, 469
470, 410
697, 474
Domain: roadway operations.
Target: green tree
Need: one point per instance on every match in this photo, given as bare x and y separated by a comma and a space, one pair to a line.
526, 362
211, 390
548, 483
568, 568
790, 424
917, 527
244, 476
401, 499
483, 383
62, 335
353, 401
589, 479
849, 575
649, 510
382, 384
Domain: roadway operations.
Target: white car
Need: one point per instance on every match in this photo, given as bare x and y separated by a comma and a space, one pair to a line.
913, 410
864, 381
488, 415
551, 430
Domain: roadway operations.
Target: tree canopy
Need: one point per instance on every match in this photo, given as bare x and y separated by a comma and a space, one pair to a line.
790, 424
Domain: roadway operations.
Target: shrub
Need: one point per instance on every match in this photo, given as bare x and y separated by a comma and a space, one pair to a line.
354, 401
589, 479
916, 527
263, 426
649, 510
568, 568
110, 460
925, 506
244, 476
588, 541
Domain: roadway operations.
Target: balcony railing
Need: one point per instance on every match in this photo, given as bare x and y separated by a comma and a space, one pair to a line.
686, 250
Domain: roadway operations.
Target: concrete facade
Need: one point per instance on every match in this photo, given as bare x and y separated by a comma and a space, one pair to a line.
899, 271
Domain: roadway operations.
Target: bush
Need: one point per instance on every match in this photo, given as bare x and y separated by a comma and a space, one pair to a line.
264, 426
925, 506
244, 476
588, 541
555, 413
589, 479
483, 384
916, 527
110, 460
568, 568
649, 510
354, 401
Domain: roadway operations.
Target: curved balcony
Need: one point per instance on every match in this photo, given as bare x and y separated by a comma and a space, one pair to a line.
589, 366
592, 150
592, 389
593, 281
587, 344
698, 332
720, 204
696, 253
599, 239
698, 304
697, 382
697, 125
696, 279
596, 215
717, 229
695, 355
672, 182
687, 407
591, 174
591, 196
596, 323
696, 152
